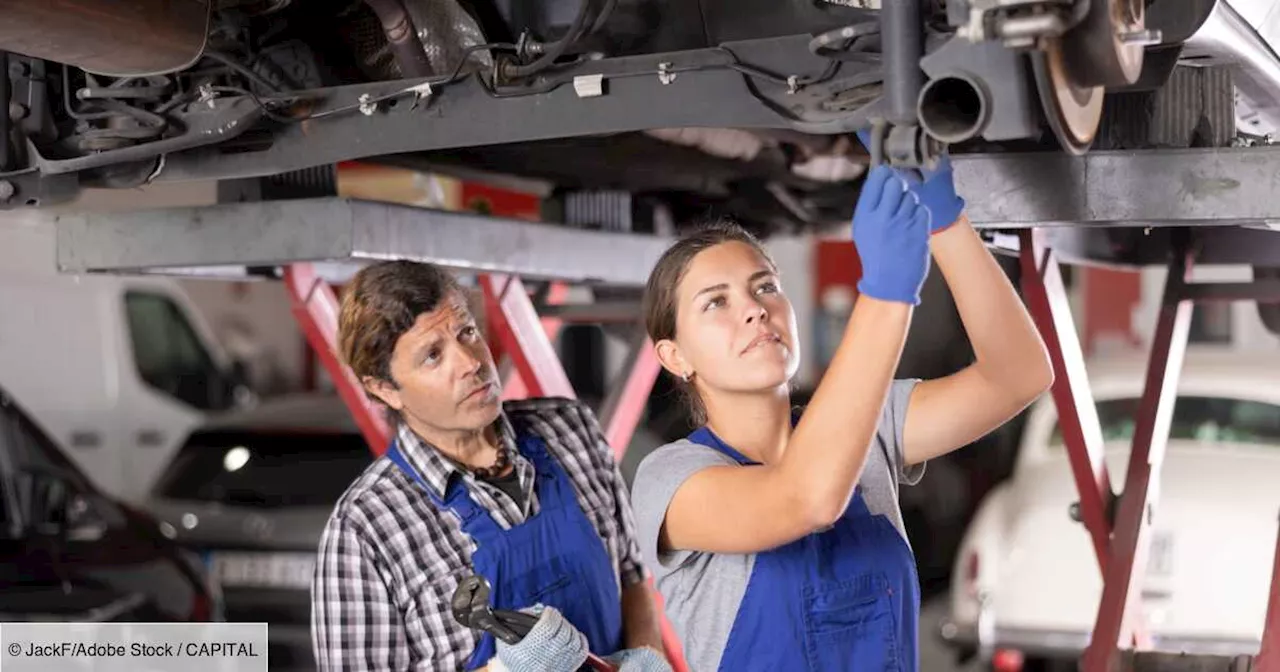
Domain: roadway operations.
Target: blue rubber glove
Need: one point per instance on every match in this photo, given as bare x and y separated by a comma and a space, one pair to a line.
643, 659
938, 193
552, 644
891, 233
936, 189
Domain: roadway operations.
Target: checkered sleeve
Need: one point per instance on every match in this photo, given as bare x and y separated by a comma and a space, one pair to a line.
630, 562
355, 625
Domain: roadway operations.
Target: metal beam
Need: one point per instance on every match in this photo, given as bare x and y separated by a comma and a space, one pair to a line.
1168, 187
1046, 296
228, 239
595, 313
1132, 248
1119, 609
1265, 291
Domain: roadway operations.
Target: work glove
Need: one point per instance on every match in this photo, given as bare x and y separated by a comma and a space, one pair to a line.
642, 659
552, 644
891, 233
936, 188
937, 192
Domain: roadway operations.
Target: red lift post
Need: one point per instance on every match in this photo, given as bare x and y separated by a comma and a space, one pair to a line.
1120, 534
1122, 587
514, 387
1045, 294
1269, 655
315, 307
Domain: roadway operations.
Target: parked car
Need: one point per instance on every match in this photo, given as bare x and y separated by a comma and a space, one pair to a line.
250, 492
1029, 572
116, 369
69, 552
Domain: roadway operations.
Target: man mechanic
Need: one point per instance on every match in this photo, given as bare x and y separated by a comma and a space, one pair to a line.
524, 493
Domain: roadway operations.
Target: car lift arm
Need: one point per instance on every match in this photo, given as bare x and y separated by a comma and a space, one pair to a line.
1122, 547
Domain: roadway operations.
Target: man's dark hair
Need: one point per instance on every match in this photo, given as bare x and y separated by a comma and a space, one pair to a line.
380, 304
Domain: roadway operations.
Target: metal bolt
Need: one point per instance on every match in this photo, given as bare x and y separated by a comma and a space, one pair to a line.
1142, 38
664, 73
206, 95
7, 190
1074, 511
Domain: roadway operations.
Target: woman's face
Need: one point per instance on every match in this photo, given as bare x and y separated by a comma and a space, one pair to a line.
735, 328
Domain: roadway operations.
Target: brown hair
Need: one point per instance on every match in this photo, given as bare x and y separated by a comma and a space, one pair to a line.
380, 304
661, 293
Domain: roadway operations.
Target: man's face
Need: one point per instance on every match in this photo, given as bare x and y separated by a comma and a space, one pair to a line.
445, 377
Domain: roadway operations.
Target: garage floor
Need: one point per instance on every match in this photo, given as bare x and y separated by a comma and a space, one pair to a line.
934, 655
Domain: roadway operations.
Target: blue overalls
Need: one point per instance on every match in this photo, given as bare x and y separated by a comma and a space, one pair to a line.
555, 558
846, 598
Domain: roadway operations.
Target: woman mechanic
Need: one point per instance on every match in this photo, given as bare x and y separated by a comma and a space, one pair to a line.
775, 538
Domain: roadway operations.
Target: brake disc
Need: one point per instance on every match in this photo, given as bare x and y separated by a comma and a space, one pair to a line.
1104, 49
1074, 112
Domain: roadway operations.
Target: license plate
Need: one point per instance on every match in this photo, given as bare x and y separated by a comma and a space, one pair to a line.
1160, 557
262, 570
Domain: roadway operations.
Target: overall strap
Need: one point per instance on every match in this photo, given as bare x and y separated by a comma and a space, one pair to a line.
704, 436
552, 483
475, 520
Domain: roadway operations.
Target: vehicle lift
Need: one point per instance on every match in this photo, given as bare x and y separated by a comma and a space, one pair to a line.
1178, 208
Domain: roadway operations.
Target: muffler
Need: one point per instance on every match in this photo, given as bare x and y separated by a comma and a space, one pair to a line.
954, 108
977, 90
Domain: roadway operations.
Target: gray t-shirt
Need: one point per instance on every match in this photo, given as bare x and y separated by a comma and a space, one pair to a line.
702, 591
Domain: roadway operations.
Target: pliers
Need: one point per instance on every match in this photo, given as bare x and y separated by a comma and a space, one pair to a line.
471, 609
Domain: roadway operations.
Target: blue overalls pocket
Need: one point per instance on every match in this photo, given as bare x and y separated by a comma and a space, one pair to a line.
850, 625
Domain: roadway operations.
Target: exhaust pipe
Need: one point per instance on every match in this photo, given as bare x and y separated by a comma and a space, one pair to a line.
954, 108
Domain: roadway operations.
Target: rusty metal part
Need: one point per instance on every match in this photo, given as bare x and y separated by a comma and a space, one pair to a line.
1074, 112
402, 37
1106, 49
108, 37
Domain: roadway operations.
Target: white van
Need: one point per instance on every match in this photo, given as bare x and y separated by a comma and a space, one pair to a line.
117, 370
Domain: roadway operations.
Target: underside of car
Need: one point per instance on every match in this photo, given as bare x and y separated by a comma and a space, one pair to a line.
746, 109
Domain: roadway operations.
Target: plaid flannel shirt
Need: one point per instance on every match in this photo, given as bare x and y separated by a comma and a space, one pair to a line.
389, 560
